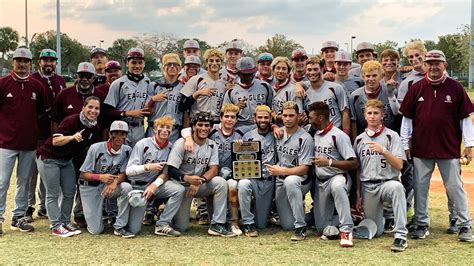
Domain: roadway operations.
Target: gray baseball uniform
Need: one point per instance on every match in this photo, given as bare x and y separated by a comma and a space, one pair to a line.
127, 95
332, 183
330, 93
196, 164
284, 94
351, 84
259, 93
261, 189
205, 103
380, 181
100, 160
228, 76
292, 151
405, 85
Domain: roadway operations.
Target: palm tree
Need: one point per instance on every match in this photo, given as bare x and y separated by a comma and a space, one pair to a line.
8, 40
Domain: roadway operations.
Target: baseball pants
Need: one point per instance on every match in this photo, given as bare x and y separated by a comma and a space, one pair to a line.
330, 194
373, 197
450, 173
217, 188
262, 192
59, 179
32, 188
93, 203
289, 198
7, 162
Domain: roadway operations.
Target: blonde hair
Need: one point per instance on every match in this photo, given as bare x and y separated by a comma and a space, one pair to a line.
374, 103
164, 121
313, 60
263, 108
281, 59
229, 108
213, 52
167, 57
291, 105
418, 45
372, 65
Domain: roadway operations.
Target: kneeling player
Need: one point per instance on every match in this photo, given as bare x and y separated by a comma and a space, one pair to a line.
146, 171
334, 156
102, 176
381, 157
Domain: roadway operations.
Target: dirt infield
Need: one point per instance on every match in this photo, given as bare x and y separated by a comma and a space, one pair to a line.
468, 179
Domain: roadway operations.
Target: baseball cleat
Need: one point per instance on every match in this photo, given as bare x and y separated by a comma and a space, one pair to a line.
420, 233
452, 227
346, 239
42, 213
399, 245
250, 230
389, 226
300, 234
123, 233
21, 224
166, 230
219, 230
203, 220
465, 234
235, 229
29, 214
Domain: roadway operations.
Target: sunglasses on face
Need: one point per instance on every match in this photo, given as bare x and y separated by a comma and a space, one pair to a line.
85, 75
175, 65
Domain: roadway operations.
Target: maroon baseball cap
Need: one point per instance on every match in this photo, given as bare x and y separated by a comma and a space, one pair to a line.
112, 64
298, 53
136, 53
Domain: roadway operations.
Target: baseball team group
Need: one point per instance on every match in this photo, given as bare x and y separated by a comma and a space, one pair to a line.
123, 151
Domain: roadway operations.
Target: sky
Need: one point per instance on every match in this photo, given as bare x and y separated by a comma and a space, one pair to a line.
309, 23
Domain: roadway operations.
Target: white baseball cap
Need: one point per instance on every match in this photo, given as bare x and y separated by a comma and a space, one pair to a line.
364, 46
192, 59
343, 56
118, 125
235, 45
136, 53
136, 199
435, 55
191, 44
366, 229
86, 67
22, 52
329, 44
246, 65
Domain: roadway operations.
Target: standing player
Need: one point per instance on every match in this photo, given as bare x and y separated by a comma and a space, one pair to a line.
261, 190
99, 60
102, 176
233, 53
294, 152
328, 52
334, 156
248, 93
436, 116
364, 52
265, 73
390, 60
146, 171
298, 58
127, 96
53, 83
380, 153
343, 65
113, 71
197, 172
191, 48
22, 97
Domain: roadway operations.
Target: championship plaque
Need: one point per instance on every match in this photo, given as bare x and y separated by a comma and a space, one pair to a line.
246, 160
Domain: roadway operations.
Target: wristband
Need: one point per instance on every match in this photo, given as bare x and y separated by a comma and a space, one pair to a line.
158, 182
95, 177
330, 162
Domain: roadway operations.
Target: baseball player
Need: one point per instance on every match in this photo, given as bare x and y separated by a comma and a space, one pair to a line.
54, 84
54, 159
364, 52
127, 96
261, 190
21, 97
265, 73
146, 171
99, 60
334, 156
343, 64
373, 89
102, 176
390, 60
197, 173
233, 53
328, 53
191, 47
436, 116
298, 58
205, 92
294, 152
283, 89
380, 153
248, 93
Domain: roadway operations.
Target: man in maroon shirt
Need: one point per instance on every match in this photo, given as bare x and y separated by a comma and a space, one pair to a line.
436, 116
53, 83
20, 99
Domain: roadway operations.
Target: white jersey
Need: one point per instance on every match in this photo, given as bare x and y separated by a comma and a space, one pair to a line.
335, 145
100, 160
330, 93
374, 166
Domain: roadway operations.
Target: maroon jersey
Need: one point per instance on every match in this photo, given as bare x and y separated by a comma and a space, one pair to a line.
69, 102
53, 86
436, 111
69, 126
20, 104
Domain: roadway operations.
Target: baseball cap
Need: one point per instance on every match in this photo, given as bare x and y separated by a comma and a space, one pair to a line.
86, 67
364, 46
329, 44
343, 56
112, 64
330, 232
191, 44
119, 125
135, 53
202, 116
298, 53
98, 50
192, 59
366, 229
48, 53
225, 173
235, 45
136, 199
264, 57
22, 52
246, 65
435, 55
